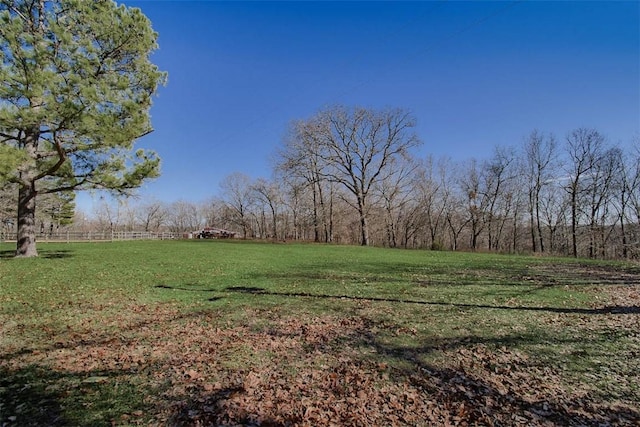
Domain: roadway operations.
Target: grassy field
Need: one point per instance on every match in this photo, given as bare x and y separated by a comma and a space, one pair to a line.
241, 333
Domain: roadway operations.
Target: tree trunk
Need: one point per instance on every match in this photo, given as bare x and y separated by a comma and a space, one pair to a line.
365, 229
625, 250
26, 241
532, 226
574, 223
26, 244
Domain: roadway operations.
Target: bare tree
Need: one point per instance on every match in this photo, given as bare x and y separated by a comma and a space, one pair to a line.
584, 148
469, 181
152, 215
107, 215
294, 206
268, 194
496, 176
359, 146
237, 195
629, 197
600, 193
456, 218
184, 216
431, 195
538, 167
554, 204
8, 203
395, 192
301, 158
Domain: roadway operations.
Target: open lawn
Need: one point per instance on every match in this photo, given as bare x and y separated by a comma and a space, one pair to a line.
242, 333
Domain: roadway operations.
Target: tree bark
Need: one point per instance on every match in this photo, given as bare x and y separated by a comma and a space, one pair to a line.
26, 243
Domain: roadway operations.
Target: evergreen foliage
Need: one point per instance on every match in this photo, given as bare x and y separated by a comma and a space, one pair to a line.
76, 85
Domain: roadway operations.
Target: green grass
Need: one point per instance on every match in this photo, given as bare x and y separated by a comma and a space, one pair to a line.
417, 308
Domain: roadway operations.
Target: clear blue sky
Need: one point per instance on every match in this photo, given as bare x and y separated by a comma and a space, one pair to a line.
475, 75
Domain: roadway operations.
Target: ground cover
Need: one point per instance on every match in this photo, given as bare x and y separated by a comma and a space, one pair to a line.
242, 333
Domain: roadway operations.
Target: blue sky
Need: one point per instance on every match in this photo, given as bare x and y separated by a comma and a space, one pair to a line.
474, 74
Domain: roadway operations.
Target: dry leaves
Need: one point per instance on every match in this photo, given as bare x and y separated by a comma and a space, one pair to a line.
322, 370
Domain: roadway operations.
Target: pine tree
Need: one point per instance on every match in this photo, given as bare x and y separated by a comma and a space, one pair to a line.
76, 84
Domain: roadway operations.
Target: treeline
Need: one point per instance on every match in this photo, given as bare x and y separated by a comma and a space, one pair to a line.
349, 176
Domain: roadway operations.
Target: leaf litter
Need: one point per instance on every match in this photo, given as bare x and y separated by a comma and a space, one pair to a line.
329, 370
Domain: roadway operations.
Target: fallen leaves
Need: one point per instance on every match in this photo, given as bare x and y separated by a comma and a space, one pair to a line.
273, 369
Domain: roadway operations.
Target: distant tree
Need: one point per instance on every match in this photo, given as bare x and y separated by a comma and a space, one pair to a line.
395, 191
75, 90
600, 193
8, 203
538, 167
359, 147
429, 198
55, 210
237, 194
629, 197
107, 215
293, 200
269, 194
476, 201
58, 209
584, 147
151, 215
301, 158
496, 192
184, 216
211, 212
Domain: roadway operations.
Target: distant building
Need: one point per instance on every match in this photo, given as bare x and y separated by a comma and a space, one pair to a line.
215, 233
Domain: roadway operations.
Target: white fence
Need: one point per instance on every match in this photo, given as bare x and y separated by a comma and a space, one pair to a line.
80, 236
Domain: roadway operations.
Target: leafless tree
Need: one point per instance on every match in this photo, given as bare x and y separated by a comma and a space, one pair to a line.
301, 157
456, 218
395, 191
497, 193
359, 146
184, 216
603, 183
540, 152
107, 214
8, 213
267, 194
152, 215
629, 199
237, 195
431, 195
476, 201
584, 148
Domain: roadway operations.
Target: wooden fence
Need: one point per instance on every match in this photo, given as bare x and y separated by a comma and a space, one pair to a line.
93, 236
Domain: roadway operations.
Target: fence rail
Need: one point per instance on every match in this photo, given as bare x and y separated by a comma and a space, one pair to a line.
80, 236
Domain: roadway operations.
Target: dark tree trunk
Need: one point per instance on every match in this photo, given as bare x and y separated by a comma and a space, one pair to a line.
574, 223
26, 241
26, 244
365, 229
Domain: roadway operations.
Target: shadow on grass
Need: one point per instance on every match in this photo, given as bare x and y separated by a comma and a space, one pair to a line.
7, 254
25, 399
184, 288
46, 254
547, 274
602, 310
471, 394
465, 387
212, 409
37, 396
